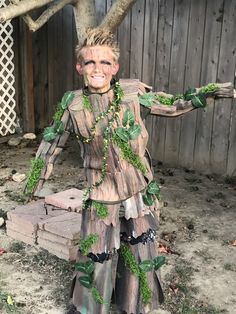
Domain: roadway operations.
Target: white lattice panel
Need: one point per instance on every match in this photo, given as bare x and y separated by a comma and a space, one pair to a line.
7, 90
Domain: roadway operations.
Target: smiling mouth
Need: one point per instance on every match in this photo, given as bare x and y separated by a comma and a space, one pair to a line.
98, 77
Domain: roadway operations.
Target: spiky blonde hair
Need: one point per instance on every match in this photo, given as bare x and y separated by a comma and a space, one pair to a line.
98, 37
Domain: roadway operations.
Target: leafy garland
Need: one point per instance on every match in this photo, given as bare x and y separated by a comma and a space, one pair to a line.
139, 270
34, 175
51, 132
198, 98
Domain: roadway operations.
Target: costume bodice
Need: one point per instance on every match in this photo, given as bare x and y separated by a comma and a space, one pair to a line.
122, 179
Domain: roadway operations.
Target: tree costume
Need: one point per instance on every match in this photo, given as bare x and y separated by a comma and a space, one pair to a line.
117, 252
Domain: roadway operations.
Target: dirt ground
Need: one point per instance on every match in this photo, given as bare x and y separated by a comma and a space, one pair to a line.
197, 235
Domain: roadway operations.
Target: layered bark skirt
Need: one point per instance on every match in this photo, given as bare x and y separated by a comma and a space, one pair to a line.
124, 239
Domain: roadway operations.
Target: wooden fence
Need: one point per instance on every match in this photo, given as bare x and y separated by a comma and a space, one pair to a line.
169, 44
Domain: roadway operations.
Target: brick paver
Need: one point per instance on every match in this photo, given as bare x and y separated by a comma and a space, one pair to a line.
70, 199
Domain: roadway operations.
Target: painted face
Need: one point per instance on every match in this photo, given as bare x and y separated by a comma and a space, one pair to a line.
97, 66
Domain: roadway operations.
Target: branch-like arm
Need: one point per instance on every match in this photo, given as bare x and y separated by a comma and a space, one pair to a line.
167, 105
48, 153
116, 14
45, 16
20, 8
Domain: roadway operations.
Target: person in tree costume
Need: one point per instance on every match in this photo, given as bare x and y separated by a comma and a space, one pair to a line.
118, 255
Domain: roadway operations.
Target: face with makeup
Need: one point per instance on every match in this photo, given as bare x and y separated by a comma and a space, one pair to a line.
97, 66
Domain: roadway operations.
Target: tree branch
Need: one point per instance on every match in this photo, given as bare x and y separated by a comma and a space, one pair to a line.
85, 17
45, 16
20, 8
116, 14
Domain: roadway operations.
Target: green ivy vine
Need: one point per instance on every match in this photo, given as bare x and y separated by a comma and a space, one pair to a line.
87, 280
151, 193
139, 270
197, 97
51, 132
128, 154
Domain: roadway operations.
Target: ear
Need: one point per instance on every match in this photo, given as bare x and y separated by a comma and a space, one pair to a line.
115, 68
79, 69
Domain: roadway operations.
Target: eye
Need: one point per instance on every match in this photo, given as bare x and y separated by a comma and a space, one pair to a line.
89, 62
105, 62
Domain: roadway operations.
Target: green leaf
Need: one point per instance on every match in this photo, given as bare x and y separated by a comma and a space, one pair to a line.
67, 99
86, 281
59, 127
147, 99
199, 101
128, 119
190, 93
122, 133
146, 265
153, 188
158, 262
134, 131
49, 134
148, 199
87, 267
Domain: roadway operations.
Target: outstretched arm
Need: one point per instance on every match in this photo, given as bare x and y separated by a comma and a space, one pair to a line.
167, 105
54, 139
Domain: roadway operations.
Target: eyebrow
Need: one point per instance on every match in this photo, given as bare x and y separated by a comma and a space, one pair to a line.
93, 62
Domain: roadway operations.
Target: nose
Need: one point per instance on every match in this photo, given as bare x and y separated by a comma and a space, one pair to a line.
97, 66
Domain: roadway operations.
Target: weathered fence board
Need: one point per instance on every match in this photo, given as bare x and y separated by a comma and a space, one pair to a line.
223, 108
176, 79
192, 78
162, 70
149, 52
169, 44
208, 74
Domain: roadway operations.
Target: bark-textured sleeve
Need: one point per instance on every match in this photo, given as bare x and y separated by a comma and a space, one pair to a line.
46, 156
167, 105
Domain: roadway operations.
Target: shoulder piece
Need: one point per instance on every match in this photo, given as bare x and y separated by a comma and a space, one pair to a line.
133, 87
77, 103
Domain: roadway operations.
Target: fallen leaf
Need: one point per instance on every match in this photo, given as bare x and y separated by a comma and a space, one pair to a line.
2, 251
233, 242
173, 287
163, 248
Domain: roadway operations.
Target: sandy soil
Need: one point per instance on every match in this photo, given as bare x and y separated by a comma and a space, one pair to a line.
197, 229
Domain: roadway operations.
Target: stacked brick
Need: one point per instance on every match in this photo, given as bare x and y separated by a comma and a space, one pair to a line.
53, 223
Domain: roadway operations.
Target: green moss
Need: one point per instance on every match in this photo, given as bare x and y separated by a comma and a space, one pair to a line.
131, 263
128, 154
129, 259
210, 88
34, 174
86, 243
86, 103
165, 100
96, 295
146, 292
59, 113
101, 209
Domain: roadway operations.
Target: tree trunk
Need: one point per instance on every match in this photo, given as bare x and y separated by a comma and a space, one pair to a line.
85, 17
